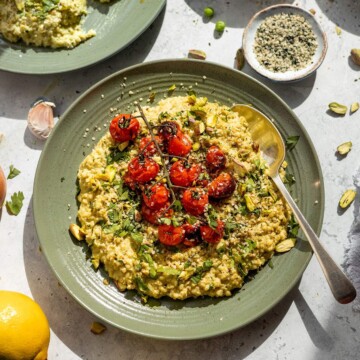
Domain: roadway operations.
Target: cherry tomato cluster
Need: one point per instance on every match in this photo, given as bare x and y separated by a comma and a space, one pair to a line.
191, 179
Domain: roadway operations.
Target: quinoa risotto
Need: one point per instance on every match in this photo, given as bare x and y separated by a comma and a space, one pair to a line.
180, 205
51, 23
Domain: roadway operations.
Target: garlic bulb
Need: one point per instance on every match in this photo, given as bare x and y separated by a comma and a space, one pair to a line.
41, 118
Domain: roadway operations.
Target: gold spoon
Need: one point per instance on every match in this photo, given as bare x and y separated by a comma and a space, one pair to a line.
273, 150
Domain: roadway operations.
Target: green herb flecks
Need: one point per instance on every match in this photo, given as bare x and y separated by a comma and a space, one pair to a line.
14, 206
292, 227
116, 155
291, 142
201, 270
13, 172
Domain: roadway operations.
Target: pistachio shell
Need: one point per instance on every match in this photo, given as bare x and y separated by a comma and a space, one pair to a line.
355, 56
347, 198
354, 107
41, 119
344, 148
197, 54
97, 328
285, 245
240, 59
338, 108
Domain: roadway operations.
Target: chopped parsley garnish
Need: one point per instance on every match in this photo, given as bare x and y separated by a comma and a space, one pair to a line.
289, 179
14, 206
116, 155
291, 142
293, 227
13, 172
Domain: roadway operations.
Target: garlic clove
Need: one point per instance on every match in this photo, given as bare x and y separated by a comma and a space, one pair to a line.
41, 119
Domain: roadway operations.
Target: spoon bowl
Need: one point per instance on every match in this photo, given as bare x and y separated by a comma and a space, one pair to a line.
272, 146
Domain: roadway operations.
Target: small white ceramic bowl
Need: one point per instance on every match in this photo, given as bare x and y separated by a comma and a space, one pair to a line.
288, 76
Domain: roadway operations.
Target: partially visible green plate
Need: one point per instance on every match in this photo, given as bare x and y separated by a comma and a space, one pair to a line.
55, 204
117, 24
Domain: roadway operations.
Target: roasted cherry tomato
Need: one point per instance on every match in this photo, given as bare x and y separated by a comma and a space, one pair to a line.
222, 186
168, 129
156, 196
153, 216
171, 235
192, 234
143, 169
129, 181
124, 128
215, 159
184, 174
147, 146
179, 145
211, 235
194, 201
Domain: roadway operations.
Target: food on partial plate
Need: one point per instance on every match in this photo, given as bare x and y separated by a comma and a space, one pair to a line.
51, 23
285, 42
175, 201
2, 187
24, 328
41, 118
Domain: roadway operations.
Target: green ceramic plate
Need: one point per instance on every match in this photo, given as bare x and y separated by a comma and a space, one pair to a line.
117, 24
55, 188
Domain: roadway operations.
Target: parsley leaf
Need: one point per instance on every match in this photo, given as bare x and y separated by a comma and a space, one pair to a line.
14, 206
289, 179
291, 142
13, 172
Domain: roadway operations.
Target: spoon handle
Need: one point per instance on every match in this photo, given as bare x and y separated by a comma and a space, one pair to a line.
341, 287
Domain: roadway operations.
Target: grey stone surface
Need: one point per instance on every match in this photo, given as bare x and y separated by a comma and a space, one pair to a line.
308, 323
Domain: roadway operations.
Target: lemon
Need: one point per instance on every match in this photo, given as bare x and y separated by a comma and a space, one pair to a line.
24, 329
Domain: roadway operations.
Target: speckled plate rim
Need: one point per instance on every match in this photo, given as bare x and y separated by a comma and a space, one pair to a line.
26, 59
290, 76
89, 300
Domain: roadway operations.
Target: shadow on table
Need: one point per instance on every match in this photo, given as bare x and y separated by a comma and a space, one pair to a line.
75, 82
343, 13
294, 93
234, 13
71, 323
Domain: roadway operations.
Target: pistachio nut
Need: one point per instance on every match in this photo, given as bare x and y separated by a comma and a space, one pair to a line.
249, 202
338, 30
355, 56
347, 198
312, 11
338, 108
285, 245
197, 54
344, 148
240, 59
354, 107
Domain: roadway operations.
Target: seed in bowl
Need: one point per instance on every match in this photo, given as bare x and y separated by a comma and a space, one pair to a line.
285, 42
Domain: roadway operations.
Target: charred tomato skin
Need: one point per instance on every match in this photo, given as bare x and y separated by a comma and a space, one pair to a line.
147, 146
192, 234
211, 235
153, 216
142, 170
170, 235
179, 145
222, 186
194, 201
215, 159
156, 196
184, 174
124, 127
